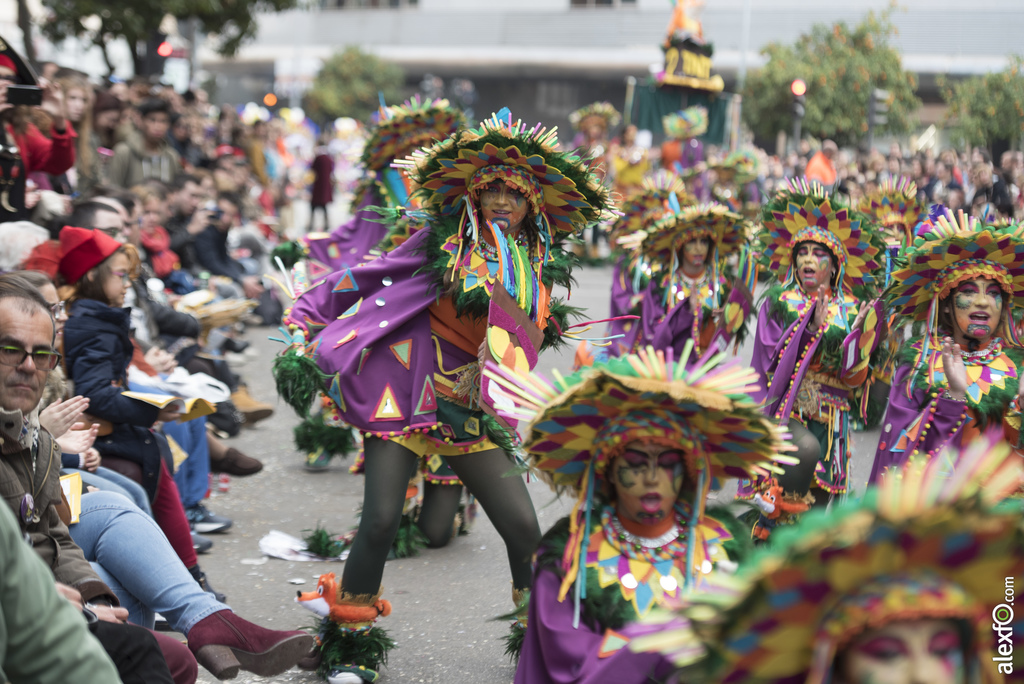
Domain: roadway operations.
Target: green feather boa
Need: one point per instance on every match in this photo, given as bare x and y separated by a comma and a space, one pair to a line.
311, 434
367, 649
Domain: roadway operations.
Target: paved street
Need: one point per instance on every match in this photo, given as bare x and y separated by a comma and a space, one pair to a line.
444, 600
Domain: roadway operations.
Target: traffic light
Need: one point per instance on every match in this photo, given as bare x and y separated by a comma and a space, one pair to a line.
799, 89
878, 107
153, 57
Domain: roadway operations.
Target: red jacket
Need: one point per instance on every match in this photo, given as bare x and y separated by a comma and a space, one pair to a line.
53, 155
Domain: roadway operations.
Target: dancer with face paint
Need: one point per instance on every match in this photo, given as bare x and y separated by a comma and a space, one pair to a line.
629, 275
815, 338
896, 210
906, 586
965, 281
637, 440
393, 346
690, 299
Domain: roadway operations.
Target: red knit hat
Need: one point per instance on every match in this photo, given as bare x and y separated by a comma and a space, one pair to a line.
82, 249
45, 258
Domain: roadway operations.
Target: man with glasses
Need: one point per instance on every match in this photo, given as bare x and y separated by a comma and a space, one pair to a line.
135, 558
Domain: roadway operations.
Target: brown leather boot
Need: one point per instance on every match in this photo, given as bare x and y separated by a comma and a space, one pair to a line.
254, 411
223, 643
234, 462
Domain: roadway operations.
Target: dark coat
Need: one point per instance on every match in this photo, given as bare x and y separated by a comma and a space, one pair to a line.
323, 184
212, 252
97, 351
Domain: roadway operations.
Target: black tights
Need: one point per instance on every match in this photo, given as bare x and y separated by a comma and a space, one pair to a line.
437, 513
798, 478
388, 467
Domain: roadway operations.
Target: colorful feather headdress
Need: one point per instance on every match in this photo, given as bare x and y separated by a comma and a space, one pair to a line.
946, 252
580, 423
804, 212
648, 204
895, 207
927, 543
604, 111
407, 127
562, 194
685, 124
741, 167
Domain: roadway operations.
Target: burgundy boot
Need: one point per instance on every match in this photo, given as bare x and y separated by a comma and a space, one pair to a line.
223, 643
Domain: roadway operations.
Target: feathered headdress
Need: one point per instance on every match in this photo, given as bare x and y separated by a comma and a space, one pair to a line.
805, 212
895, 206
928, 543
604, 111
580, 423
406, 127
947, 251
648, 204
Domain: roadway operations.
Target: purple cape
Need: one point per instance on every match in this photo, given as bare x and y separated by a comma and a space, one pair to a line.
370, 327
555, 653
352, 240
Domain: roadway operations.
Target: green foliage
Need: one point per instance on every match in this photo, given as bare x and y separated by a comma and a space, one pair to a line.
233, 22
348, 85
841, 67
339, 648
323, 543
986, 108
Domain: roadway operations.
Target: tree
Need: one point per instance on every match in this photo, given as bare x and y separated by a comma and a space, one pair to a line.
350, 84
986, 108
841, 67
232, 21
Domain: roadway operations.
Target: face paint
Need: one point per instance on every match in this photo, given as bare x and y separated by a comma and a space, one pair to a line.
695, 254
978, 306
503, 206
813, 266
648, 479
905, 652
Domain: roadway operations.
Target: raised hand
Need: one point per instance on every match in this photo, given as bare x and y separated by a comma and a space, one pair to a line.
821, 307
58, 417
954, 369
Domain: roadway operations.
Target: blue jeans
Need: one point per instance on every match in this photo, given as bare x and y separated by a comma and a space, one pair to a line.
131, 554
193, 475
107, 480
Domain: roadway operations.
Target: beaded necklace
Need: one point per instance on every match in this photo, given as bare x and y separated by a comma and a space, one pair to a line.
646, 575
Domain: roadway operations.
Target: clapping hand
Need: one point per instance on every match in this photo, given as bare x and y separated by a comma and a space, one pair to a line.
954, 369
61, 416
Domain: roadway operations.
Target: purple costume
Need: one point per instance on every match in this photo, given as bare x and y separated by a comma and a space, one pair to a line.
349, 243
925, 422
799, 382
555, 653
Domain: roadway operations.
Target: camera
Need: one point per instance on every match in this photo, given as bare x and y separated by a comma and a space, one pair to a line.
24, 95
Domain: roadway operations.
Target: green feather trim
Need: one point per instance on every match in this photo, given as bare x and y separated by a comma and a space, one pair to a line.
409, 540
338, 647
991, 406
560, 312
299, 380
501, 437
476, 303
740, 546
311, 434
323, 543
514, 641
604, 607
290, 253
